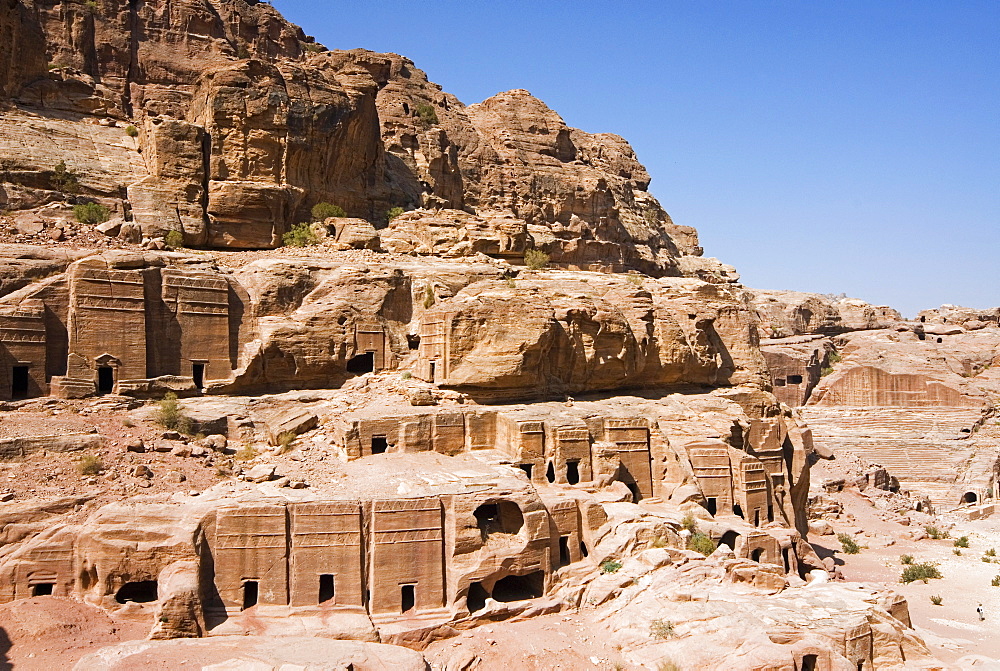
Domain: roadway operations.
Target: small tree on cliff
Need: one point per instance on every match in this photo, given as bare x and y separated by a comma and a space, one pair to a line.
323, 211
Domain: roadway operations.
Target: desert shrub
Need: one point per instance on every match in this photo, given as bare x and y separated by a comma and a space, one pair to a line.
91, 213
936, 533
429, 297
63, 179
936, 600
169, 414
956, 551
848, 544
668, 665
700, 542
393, 212
991, 553
659, 542
427, 115
985, 559
536, 259
833, 357
923, 571
91, 6
635, 279
301, 235
323, 211
89, 465
285, 441
174, 239
312, 47
511, 284
996, 581
661, 629
406, 375
246, 453
906, 559
610, 566
690, 523
962, 542
827, 370
131, 130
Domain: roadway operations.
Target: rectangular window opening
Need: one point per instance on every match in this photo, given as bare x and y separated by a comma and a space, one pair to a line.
794, 379
379, 444
407, 598
564, 558
572, 472
19, 382
198, 373
250, 593
105, 380
326, 588
42, 589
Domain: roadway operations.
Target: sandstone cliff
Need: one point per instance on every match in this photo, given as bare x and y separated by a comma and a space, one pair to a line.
237, 123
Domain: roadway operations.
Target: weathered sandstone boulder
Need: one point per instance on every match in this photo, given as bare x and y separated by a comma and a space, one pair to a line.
789, 313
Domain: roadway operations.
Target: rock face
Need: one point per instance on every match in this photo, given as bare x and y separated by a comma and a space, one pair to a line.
896, 397
142, 324
224, 122
790, 313
412, 433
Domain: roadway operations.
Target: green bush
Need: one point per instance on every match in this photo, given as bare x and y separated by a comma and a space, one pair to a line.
174, 239
700, 542
301, 235
536, 259
848, 544
169, 415
936, 600
63, 179
661, 629
936, 533
427, 114
833, 357
312, 47
634, 279
906, 559
610, 566
924, 571
131, 130
826, 371
962, 542
91, 213
690, 523
89, 465
393, 212
323, 211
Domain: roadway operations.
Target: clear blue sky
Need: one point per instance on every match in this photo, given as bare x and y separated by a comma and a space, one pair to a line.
821, 146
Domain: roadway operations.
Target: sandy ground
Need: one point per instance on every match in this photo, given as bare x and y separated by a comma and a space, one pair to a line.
951, 630
51, 633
